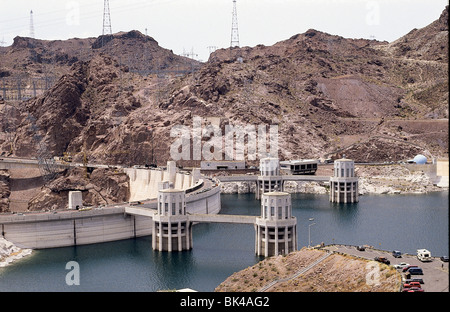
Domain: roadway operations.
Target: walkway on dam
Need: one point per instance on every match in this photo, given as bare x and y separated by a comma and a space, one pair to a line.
14, 162
202, 218
254, 178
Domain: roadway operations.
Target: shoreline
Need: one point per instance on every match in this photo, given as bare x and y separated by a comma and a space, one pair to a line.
385, 179
10, 253
372, 181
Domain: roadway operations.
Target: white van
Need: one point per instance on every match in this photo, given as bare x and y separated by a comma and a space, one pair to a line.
423, 255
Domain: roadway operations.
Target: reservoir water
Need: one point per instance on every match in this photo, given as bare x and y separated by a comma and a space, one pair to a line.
401, 222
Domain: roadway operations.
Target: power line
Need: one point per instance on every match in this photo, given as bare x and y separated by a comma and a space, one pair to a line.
211, 49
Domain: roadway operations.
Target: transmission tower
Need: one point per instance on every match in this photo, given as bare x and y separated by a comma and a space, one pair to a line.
31, 25
234, 28
107, 30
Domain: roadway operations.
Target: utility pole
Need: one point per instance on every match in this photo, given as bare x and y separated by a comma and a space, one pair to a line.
31, 25
211, 49
234, 28
191, 54
107, 29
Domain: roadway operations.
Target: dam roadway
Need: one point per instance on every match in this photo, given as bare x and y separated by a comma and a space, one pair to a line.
254, 178
7, 163
197, 217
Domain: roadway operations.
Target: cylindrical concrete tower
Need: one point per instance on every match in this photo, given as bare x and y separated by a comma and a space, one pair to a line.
269, 178
276, 228
171, 227
344, 182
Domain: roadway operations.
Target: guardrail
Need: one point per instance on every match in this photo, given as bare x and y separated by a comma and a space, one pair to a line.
197, 186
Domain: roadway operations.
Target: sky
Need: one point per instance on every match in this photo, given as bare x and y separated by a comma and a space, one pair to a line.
199, 26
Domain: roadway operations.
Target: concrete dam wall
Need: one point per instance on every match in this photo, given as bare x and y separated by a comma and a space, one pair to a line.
71, 228
144, 183
80, 227
40, 231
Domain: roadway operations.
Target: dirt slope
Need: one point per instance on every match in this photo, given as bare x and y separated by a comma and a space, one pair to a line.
337, 273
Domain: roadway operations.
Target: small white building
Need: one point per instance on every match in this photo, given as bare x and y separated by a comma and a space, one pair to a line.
75, 200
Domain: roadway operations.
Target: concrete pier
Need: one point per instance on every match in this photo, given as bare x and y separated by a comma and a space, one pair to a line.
276, 228
344, 182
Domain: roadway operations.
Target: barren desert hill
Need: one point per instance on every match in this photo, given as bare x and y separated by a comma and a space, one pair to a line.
337, 273
29, 57
328, 95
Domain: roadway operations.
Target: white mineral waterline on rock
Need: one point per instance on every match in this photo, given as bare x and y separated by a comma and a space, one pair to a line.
10, 253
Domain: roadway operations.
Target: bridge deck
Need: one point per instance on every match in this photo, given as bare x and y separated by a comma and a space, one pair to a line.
219, 218
208, 218
254, 178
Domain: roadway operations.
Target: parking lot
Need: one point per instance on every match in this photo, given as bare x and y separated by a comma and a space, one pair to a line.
435, 273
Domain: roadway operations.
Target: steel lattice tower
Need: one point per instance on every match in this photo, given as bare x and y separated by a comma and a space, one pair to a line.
31, 25
234, 28
107, 29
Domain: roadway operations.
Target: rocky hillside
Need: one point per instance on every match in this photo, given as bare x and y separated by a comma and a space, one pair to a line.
100, 187
337, 273
29, 57
369, 100
5, 190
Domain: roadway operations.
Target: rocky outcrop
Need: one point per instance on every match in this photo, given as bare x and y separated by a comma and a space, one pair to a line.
99, 187
394, 179
429, 43
5, 190
10, 253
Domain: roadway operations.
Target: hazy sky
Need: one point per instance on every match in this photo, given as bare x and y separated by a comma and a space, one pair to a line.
195, 25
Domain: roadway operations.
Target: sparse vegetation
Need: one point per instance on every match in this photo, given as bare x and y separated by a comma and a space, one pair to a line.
342, 273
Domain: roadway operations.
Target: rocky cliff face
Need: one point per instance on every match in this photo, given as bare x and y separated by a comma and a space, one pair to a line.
329, 96
100, 187
5, 191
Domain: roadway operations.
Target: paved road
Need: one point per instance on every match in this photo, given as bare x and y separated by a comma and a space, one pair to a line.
435, 273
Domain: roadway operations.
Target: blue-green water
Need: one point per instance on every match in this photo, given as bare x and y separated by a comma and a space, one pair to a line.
403, 222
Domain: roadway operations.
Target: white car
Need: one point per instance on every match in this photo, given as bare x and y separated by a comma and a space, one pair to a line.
401, 265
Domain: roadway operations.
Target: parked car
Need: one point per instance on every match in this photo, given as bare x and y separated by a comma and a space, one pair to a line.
382, 259
397, 254
409, 266
419, 280
360, 248
415, 289
401, 265
415, 271
412, 284
444, 258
